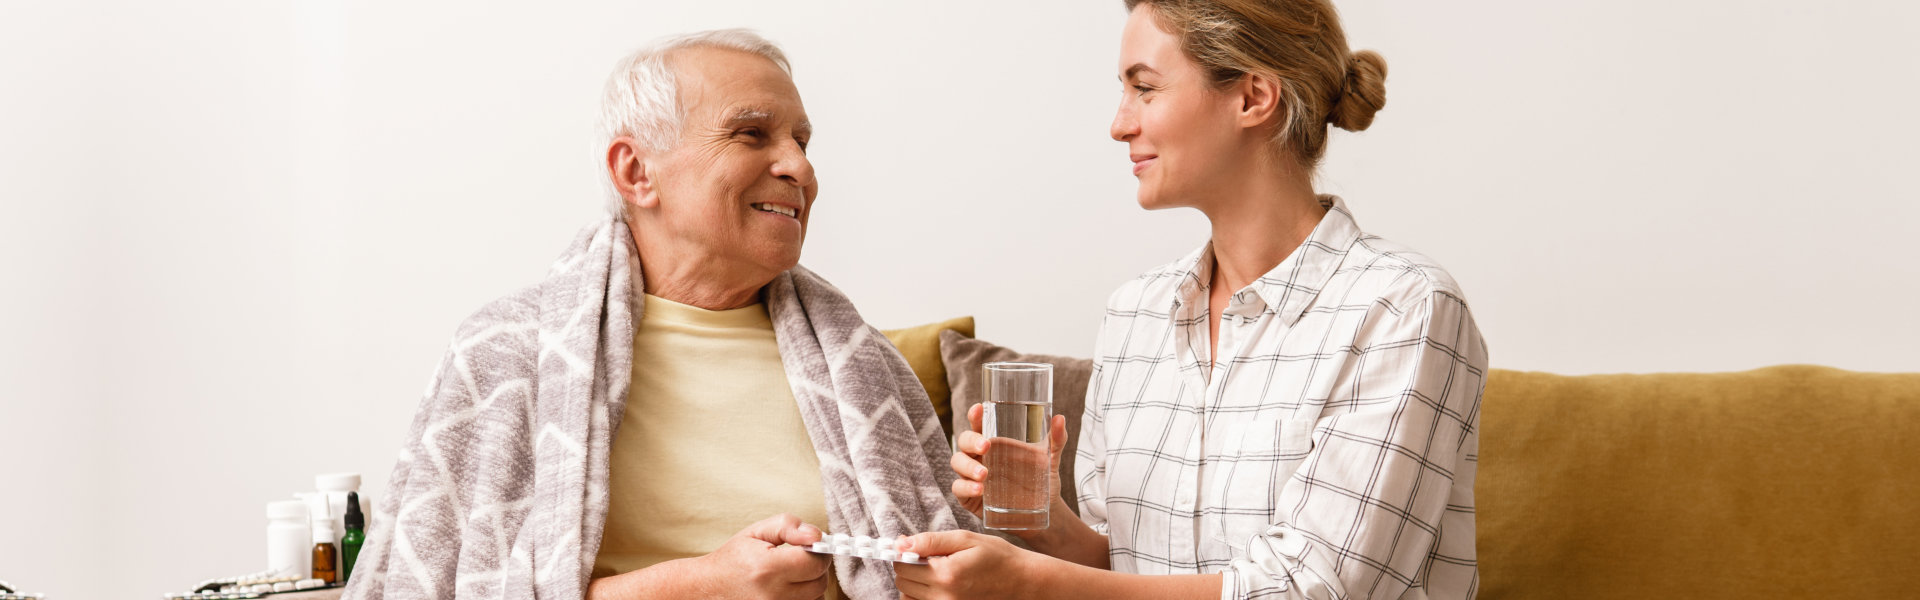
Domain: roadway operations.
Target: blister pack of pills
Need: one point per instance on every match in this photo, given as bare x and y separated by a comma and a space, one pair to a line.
8, 593
860, 546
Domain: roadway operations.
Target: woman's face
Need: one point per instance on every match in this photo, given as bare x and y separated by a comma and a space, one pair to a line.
1181, 134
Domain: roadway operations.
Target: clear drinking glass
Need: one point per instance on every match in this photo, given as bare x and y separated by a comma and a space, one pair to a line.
1019, 404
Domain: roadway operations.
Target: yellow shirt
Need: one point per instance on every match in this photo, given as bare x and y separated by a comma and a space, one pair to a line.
711, 442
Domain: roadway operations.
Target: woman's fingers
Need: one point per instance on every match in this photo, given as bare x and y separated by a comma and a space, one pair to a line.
967, 491
1057, 439
971, 442
966, 467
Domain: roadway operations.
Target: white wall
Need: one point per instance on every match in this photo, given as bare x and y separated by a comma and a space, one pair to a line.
237, 234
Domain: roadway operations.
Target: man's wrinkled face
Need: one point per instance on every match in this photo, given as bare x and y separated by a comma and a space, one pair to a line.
737, 185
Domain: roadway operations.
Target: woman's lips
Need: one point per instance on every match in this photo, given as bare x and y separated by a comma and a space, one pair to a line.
1140, 163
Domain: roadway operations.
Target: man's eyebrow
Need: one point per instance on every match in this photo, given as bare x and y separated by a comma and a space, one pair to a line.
748, 114
1137, 68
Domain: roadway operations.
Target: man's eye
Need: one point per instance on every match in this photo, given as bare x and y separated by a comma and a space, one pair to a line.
802, 141
752, 132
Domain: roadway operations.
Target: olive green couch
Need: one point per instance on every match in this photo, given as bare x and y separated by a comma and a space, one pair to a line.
1791, 481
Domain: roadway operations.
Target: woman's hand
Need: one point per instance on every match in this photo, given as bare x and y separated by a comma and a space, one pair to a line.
968, 462
964, 564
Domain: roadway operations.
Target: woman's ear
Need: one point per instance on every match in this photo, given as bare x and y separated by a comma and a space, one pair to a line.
627, 168
1260, 101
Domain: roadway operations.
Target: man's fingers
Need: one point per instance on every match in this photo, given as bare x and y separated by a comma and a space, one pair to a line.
797, 565
800, 535
781, 529
974, 414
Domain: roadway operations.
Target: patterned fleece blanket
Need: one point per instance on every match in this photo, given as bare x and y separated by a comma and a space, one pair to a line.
501, 488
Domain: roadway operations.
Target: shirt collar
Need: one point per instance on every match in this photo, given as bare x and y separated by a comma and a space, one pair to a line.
1290, 287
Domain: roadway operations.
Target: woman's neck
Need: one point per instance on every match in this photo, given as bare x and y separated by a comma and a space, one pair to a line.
1260, 221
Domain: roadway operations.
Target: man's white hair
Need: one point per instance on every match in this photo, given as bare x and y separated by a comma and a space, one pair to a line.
642, 98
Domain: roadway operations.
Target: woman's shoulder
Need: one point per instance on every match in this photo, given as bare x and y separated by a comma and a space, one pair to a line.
1380, 268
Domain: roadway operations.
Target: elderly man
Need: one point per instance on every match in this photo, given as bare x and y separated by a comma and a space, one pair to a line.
615, 430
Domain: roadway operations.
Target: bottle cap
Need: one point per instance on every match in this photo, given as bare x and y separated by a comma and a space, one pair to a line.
337, 482
287, 509
354, 519
323, 531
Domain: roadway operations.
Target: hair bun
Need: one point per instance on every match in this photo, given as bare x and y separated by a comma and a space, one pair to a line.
1365, 92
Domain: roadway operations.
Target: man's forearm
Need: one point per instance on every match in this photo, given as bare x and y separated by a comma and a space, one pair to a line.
671, 579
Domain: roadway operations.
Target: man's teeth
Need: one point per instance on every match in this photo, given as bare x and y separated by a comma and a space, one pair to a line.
774, 208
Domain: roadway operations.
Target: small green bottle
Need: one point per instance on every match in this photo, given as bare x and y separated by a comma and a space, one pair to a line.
356, 523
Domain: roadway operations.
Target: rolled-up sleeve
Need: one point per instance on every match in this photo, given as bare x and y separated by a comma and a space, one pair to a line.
1390, 472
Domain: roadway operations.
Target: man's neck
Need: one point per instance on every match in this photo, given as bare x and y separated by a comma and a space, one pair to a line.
692, 280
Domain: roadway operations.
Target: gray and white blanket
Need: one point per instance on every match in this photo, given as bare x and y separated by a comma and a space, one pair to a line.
501, 489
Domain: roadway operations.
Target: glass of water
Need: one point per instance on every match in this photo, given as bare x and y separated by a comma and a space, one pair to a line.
1019, 405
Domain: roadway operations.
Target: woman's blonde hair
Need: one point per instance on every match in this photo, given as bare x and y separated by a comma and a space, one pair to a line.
1297, 43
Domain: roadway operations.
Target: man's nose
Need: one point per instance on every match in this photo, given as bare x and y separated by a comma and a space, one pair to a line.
793, 167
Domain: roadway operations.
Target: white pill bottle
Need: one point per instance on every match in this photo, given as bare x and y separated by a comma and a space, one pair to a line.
289, 539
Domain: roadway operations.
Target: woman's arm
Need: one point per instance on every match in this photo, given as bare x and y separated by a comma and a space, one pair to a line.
1068, 538
963, 565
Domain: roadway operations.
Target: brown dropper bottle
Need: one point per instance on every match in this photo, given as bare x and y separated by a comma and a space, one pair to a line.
326, 557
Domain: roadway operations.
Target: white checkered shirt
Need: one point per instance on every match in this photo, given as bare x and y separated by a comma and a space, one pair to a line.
1329, 453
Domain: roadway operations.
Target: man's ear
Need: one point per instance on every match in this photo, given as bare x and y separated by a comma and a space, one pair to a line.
1260, 101
627, 168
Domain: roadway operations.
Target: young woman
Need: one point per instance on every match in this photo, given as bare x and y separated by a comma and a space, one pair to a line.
1289, 411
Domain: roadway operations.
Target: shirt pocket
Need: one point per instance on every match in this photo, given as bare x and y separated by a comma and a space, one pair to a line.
1252, 472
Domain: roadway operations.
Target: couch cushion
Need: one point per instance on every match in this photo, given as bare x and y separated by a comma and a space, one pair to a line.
1783, 481
921, 346
964, 357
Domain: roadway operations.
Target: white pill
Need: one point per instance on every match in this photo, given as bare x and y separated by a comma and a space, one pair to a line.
885, 543
862, 541
863, 553
889, 554
909, 557
284, 586
822, 547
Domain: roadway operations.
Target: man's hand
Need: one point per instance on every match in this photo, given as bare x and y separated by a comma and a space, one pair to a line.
752, 565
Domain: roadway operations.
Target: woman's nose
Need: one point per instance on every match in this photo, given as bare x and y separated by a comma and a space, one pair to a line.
1125, 126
